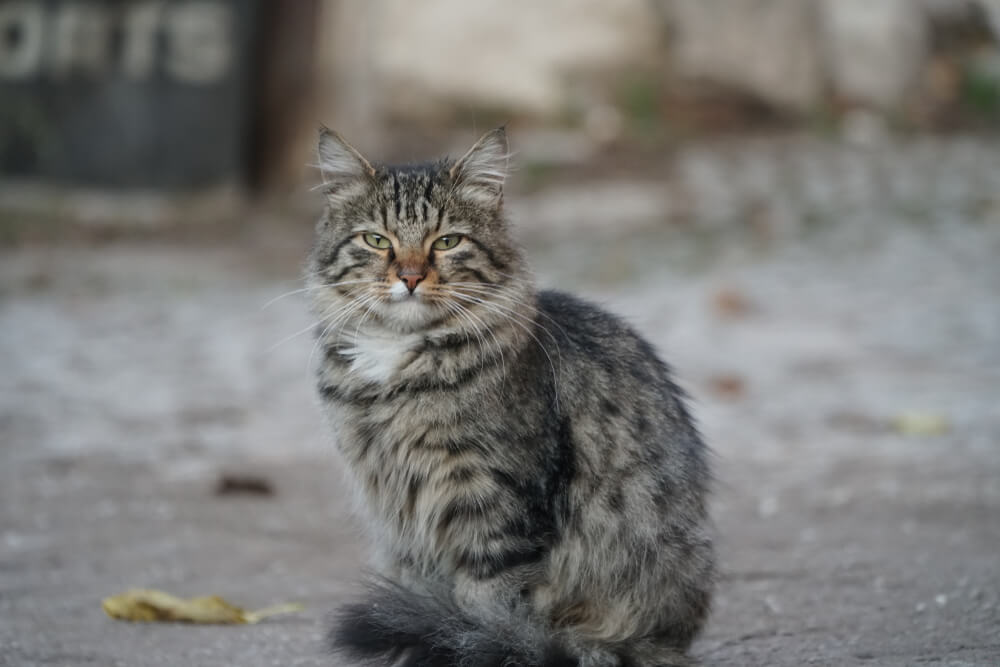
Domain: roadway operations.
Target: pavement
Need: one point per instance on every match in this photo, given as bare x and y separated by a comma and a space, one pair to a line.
834, 313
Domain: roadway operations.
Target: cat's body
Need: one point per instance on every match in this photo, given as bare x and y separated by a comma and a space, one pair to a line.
535, 488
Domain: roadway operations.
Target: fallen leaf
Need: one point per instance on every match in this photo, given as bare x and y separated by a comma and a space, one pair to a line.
146, 605
249, 485
730, 302
920, 423
857, 422
728, 385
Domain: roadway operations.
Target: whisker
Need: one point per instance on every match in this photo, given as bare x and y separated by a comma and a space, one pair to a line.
341, 316
312, 288
473, 319
514, 302
368, 311
364, 301
499, 291
286, 339
452, 308
456, 311
324, 316
509, 315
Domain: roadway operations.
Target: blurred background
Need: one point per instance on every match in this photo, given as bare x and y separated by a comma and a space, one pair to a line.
197, 97
797, 201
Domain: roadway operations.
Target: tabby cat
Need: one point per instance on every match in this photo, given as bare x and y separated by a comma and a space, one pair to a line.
533, 483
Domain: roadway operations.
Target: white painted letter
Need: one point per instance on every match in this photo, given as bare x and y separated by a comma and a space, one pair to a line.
22, 31
199, 41
80, 39
139, 49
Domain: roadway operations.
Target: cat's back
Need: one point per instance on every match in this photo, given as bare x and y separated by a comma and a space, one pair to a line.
640, 485
612, 381
595, 344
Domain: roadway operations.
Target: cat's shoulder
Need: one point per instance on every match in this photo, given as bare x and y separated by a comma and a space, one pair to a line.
581, 318
592, 340
556, 302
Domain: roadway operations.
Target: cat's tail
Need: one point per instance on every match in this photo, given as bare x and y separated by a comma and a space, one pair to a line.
427, 630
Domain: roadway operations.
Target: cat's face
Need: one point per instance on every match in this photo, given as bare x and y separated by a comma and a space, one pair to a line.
411, 248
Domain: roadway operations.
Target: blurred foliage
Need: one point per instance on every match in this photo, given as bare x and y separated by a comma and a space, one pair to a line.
640, 98
535, 175
980, 88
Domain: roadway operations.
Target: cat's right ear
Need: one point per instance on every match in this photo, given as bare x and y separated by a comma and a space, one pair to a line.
344, 170
480, 173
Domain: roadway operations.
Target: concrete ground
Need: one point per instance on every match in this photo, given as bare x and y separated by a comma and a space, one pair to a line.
835, 314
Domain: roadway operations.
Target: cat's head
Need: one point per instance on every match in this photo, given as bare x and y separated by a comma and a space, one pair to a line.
409, 248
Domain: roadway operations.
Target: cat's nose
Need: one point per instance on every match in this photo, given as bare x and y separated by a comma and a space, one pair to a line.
411, 278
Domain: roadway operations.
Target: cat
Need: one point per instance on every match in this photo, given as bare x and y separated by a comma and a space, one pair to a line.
533, 484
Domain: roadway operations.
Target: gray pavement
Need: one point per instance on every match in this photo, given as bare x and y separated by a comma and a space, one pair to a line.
808, 296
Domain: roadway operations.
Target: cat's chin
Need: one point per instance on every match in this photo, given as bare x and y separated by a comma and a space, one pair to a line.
410, 315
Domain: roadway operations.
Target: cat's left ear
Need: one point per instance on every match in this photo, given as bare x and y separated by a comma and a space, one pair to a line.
480, 173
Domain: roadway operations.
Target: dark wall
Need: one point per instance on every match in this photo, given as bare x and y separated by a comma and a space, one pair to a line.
131, 94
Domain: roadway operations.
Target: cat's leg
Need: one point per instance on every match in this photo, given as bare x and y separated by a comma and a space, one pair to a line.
493, 600
502, 591
385, 561
596, 656
627, 654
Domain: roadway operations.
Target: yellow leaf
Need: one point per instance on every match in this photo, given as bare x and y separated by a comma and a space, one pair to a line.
150, 605
920, 423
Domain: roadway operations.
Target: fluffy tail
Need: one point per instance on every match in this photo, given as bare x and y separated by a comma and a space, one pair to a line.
393, 623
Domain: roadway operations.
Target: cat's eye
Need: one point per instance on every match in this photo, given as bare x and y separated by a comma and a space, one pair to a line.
377, 241
446, 242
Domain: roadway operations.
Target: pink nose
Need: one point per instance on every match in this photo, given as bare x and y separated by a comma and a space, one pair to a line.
411, 278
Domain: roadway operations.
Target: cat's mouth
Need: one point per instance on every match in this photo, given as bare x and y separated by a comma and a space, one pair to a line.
400, 293
410, 310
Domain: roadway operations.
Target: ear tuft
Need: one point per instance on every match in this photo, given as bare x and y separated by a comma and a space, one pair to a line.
342, 167
479, 175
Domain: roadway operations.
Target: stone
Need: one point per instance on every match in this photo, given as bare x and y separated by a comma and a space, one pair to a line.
875, 51
992, 10
765, 48
513, 56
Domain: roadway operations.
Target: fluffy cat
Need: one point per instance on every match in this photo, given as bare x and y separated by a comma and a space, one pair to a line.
533, 484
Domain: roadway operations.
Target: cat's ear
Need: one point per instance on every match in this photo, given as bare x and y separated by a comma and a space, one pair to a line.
344, 170
480, 173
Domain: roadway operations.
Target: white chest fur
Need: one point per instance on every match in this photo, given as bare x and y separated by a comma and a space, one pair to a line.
378, 358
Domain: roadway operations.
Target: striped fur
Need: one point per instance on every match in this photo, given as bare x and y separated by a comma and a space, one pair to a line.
534, 486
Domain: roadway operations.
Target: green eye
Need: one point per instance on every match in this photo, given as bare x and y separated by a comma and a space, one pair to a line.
446, 242
377, 241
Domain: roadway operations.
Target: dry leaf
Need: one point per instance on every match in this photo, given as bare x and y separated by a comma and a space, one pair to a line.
248, 485
920, 423
728, 385
731, 302
150, 605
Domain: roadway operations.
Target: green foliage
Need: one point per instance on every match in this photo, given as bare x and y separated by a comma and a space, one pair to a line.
534, 175
981, 88
640, 98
